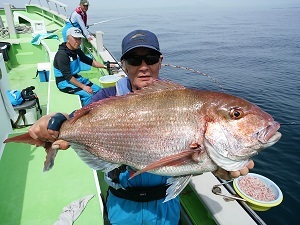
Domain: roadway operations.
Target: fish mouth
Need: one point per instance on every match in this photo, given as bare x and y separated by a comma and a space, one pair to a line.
269, 134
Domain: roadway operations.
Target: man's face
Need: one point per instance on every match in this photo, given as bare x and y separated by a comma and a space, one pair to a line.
142, 75
84, 8
73, 42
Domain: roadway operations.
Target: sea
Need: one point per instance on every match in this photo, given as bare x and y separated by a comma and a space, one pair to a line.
253, 53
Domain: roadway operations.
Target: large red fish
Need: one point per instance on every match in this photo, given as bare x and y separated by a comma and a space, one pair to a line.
169, 130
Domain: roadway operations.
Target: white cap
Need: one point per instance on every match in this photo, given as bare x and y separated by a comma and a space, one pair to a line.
74, 32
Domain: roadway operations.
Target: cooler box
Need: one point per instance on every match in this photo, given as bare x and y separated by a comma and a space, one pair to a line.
43, 71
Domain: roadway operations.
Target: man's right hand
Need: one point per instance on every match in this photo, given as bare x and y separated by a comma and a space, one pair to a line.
39, 131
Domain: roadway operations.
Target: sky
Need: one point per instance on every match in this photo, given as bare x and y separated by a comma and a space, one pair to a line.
134, 4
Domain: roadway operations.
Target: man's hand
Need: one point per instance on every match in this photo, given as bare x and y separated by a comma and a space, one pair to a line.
60, 145
39, 131
88, 89
225, 175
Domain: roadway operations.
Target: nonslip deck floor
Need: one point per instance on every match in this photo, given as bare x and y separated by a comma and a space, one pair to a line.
29, 196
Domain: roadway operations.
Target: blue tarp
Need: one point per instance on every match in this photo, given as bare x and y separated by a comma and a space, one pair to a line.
37, 39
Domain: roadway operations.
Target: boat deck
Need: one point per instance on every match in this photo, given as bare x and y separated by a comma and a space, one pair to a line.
27, 195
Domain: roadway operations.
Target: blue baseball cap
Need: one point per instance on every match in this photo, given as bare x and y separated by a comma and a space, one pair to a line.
139, 38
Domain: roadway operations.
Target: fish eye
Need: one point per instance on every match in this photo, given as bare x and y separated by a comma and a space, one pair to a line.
236, 113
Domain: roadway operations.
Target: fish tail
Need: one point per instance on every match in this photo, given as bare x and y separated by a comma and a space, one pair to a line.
23, 138
27, 139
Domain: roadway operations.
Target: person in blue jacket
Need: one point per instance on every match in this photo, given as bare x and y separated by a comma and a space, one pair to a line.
78, 19
67, 67
131, 200
138, 200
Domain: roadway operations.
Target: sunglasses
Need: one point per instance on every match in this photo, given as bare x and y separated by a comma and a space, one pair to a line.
136, 60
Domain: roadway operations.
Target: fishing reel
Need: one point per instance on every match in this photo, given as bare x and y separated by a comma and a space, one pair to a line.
112, 70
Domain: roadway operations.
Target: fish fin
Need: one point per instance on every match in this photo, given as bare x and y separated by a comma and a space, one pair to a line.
51, 154
93, 161
158, 85
81, 112
86, 109
177, 184
173, 160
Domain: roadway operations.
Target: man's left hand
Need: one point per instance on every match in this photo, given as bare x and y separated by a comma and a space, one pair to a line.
227, 175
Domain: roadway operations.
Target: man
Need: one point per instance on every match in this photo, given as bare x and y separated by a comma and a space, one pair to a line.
67, 66
126, 201
78, 19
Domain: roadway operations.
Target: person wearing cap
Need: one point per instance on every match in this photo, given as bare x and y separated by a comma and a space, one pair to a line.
139, 200
132, 200
78, 19
67, 66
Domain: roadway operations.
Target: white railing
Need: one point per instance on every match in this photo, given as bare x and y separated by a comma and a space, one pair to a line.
56, 4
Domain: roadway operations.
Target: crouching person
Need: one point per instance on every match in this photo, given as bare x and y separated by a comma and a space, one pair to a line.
67, 66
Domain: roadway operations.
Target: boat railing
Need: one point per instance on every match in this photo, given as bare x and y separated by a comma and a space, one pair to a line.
56, 4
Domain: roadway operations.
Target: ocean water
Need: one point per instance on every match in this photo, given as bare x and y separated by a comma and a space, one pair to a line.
252, 53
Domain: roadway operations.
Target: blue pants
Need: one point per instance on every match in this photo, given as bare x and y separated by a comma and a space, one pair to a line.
122, 211
70, 88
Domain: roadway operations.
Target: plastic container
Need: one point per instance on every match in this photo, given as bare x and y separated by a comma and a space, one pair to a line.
257, 204
109, 80
43, 70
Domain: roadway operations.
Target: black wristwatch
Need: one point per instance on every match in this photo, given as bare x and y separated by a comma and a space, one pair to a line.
56, 121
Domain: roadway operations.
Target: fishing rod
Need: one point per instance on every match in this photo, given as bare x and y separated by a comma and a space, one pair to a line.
104, 21
196, 71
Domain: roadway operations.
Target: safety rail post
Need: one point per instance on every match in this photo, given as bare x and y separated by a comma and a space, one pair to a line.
99, 38
10, 21
57, 3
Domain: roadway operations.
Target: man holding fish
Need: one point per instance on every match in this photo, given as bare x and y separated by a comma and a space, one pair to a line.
141, 60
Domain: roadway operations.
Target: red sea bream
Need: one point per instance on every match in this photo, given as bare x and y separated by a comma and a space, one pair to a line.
169, 130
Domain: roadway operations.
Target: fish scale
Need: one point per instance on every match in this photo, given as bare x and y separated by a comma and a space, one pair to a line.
141, 127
